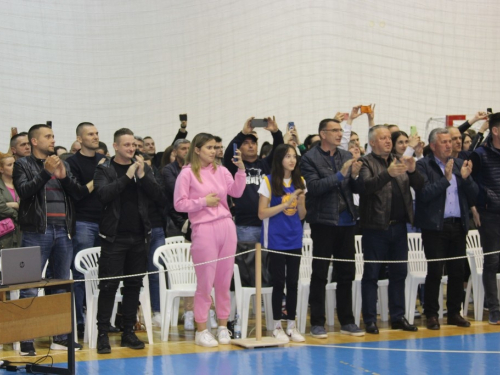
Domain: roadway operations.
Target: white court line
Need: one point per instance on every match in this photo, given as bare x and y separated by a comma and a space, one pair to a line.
401, 350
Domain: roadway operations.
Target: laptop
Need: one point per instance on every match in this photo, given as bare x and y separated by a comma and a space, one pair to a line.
21, 265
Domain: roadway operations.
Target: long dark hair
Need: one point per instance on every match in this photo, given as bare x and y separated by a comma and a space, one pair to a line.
278, 172
394, 137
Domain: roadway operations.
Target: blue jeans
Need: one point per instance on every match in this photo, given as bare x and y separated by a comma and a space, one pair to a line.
55, 247
248, 234
390, 244
86, 236
157, 240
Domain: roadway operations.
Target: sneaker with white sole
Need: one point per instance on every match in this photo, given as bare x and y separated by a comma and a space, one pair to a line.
206, 339
189, 321
279, 334
295, 335
223, 336
494, 318
352, 330
63, 345
319, 332
213, 319
27, 349
157, 319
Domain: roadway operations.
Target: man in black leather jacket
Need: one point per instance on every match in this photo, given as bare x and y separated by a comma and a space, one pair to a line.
385, 208
46, 214
124, 186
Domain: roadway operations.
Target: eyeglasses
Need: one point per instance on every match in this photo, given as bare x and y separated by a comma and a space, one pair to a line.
334, 130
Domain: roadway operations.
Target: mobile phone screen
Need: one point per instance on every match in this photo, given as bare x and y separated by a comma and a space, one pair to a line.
413, 130
262, 123
291, 126
235, 148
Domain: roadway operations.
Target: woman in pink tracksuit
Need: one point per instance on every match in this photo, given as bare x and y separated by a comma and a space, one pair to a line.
201, 190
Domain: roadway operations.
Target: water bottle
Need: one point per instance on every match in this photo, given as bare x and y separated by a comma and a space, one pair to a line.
237, 327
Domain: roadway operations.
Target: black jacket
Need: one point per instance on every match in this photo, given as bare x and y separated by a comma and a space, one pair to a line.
109, 187
170, 173
30, 178
486, 172
431, 199
374, 187
323, 185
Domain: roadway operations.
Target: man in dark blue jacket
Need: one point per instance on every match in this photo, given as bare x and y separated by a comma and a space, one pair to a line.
486, 172
442, 213
329, 172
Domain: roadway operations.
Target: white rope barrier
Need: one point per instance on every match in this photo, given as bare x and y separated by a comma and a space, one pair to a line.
281, 252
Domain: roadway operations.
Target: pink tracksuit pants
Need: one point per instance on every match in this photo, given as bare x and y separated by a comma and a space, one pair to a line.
211, 241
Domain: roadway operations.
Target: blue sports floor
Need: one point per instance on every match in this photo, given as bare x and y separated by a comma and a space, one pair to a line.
468, 354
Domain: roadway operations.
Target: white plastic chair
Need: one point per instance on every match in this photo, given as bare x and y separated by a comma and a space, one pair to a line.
383, 287
330, 297
305, 271
87, 262
177, 261
307, 233
476, 259
243, 298
417, 271
175, 313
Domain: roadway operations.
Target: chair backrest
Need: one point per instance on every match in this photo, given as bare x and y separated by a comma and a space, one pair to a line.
174, 239
307, 233
305, 269
475, 250
177, 260
87, 262
417, 263
358, 257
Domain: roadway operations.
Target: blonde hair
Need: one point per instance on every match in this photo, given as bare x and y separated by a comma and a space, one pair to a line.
193, 159
3, 158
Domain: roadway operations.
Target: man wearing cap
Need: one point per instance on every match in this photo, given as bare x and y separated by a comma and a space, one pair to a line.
248, 224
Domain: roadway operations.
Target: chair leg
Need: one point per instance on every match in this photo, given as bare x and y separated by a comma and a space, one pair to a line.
330, 295
356, 298
441, 301
383, 298
268, 311
145, 300
411, 301
245, 312
165, 326
467, 297
302, 306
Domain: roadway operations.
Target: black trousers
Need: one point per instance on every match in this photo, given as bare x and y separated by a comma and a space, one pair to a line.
283, 269
339, 242
447, 243
127, 255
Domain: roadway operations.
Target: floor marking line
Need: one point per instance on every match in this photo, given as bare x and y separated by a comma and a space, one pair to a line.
405, 350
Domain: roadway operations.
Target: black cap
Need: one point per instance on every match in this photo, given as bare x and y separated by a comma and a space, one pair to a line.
252, 137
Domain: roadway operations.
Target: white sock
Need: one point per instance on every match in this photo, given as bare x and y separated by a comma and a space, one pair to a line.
290, 325
277, 324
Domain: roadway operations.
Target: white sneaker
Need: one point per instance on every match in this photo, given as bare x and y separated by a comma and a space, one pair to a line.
157, 319
213, 319
223, 335
279, 334
295, 335
206, 339
189, 321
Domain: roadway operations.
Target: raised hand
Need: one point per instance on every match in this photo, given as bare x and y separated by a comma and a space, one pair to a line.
247, 127
212, 200
140, 166
371, 116
478, 116
272, 125
131, 170
356, 167
52, 163
238, 161
397, 168
345, 168
410, 163
466, 169
60, 172
448, 169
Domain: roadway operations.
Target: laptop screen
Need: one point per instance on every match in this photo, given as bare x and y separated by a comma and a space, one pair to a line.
21, 265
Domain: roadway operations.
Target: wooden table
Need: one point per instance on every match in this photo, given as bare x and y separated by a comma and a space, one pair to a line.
48, 315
